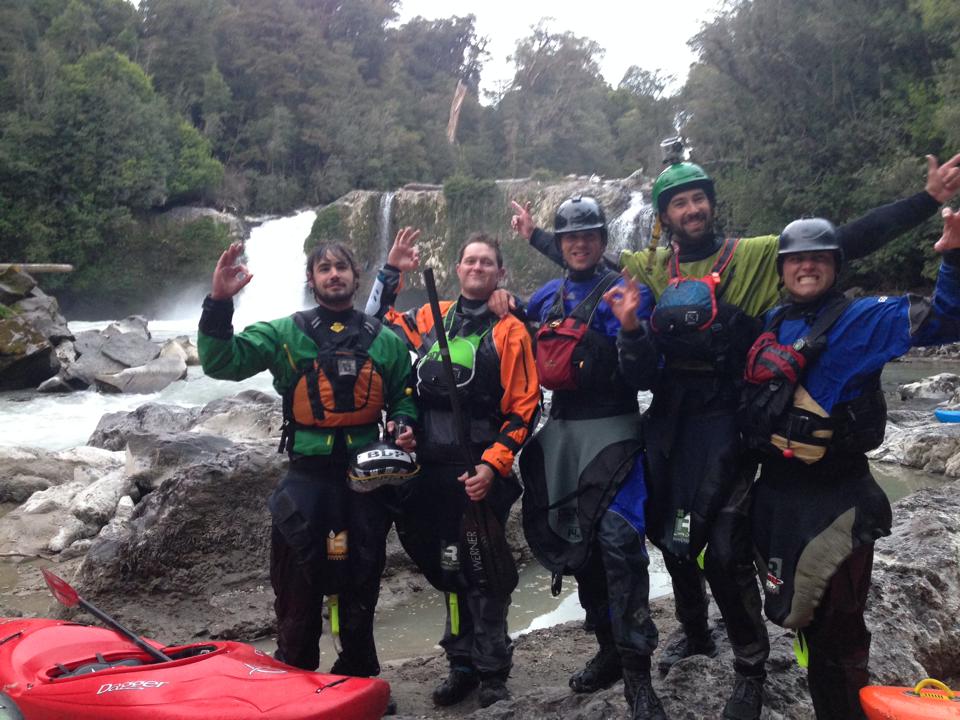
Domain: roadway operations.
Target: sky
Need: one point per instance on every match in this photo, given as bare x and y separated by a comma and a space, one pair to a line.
652, 35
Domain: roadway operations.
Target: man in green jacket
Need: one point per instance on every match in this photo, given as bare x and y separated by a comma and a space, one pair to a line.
337, 370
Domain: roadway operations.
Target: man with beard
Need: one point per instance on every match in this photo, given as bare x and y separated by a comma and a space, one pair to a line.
338, 370
499, 398
813, 407
710, 290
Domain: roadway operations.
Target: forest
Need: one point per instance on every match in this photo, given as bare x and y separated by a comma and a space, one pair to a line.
111, 114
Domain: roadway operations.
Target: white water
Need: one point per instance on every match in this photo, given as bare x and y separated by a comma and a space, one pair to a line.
632, 228
276, 259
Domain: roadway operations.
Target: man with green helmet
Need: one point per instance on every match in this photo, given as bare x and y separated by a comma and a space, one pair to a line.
710, 289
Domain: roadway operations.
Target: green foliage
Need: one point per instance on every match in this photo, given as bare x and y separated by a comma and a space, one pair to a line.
820, 108
6, 312
469, 201
328, 225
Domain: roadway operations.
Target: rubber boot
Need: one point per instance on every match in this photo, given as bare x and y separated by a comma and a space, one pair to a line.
458, 684
642, 700
601, 671
685, 642
746, 701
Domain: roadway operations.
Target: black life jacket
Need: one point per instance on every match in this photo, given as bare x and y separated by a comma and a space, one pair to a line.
779, 417
694, 327
478, 387
342, 386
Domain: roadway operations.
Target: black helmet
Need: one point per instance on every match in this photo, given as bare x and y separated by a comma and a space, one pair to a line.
380, 463
580, 213
809, 235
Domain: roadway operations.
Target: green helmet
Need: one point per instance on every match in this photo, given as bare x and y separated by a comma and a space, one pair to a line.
681, 176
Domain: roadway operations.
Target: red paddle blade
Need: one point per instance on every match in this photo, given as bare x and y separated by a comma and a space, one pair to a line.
61, 589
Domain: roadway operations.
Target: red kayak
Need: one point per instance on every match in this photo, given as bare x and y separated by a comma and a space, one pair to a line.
929, 699
53, 670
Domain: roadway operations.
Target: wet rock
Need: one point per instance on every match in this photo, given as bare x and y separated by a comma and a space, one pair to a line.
183, 348
249, 415
97, 503
930, 447
130, 349
151, 459
135, 324
43, 524
15, 285
26, 356
207, 523
114, 429
42, 311
21, 468
151, 377
936, 387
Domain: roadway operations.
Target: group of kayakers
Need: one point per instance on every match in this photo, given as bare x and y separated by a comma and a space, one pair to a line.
753, 356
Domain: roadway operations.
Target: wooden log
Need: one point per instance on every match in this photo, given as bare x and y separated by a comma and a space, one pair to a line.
38, 267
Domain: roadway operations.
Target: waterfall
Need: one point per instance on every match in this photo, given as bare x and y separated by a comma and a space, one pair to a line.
275, 257
631, 229
385, 238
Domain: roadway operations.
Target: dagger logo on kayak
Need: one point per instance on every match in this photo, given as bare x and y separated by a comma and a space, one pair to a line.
132, 685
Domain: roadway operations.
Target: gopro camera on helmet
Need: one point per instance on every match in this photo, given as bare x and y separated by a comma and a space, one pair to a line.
672, 150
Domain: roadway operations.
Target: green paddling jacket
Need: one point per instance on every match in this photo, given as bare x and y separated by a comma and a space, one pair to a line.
280, 346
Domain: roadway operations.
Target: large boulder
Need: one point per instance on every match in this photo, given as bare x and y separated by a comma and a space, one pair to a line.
150, 377
936, 387
193, 560
114, 429
130, 349
25, 470
15, 285
27, 358
42, 311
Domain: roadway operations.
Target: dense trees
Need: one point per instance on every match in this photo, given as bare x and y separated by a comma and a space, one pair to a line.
111, 113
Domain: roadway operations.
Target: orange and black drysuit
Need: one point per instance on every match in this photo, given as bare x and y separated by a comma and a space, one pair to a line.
500, 404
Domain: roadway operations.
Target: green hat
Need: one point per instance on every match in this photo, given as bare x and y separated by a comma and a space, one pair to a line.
681, 176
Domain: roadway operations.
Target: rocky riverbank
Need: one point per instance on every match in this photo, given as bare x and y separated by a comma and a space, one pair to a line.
161, 520
913, 609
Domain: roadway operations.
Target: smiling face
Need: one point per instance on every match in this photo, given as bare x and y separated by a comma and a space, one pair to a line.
333, 281
478, 271
582, 250
807, 275
689, 216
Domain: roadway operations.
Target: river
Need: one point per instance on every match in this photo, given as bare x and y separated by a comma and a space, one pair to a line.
275, 257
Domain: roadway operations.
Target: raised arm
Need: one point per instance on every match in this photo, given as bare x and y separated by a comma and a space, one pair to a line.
403, 257
879, 226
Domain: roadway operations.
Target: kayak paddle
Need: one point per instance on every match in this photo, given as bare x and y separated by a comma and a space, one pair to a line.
67, 596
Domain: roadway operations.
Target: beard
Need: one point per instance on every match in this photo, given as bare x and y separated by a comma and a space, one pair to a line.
705, 233
334, 295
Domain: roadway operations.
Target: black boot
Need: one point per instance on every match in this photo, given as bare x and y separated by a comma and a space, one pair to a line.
685, 642
746, 701
601, 671
492, 689
459, 683
642, 701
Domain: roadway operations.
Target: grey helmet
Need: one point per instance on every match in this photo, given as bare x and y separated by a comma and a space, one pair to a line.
809, 235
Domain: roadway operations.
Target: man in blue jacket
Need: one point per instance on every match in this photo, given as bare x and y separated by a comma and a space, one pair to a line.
583, 471
812, 407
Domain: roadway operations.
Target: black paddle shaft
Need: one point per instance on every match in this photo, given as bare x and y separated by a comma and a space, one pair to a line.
447, 364
489, 558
